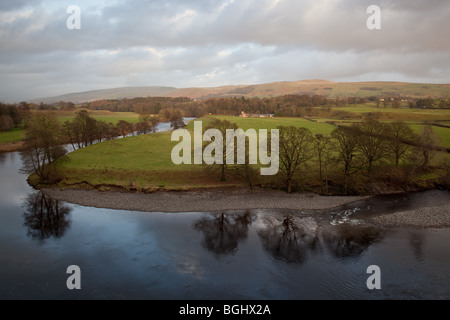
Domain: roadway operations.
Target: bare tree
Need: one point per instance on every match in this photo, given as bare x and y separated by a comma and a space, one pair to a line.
42, 146
177, 120
222, 126
371, 142
346, 147
247, 171
124, 127
147, 124
323, 147
295, 151
400, 137
6, 122
427, 143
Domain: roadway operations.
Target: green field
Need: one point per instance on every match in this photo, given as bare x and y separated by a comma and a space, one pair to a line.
109, 117
402, 114
272, 123
13, 135
358, 89
144, 162
443, 133
18, 134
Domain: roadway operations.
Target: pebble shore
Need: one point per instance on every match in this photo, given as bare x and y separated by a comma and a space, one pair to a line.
426, 217
242, 199
198, 201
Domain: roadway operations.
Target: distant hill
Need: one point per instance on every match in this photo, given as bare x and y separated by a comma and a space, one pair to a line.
321, 87
115, 93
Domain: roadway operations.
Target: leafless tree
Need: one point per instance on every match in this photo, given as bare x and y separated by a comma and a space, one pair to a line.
222, 126
399, 137
42, 146
323, 149
346, 144
427, 143
371, 142
295, 151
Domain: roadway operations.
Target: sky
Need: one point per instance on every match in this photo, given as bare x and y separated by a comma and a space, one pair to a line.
206, 43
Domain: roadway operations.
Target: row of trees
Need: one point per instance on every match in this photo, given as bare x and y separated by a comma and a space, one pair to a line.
84, 130
287, 105
45, 137
42, 146
12, 115
356, 148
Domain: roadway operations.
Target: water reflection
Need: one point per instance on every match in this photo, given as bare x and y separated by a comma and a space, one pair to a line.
2, 157
416, 241
223, 231
290, 239
349, 240
45, 217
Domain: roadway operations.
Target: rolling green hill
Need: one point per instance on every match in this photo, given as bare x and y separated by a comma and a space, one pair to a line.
321, 87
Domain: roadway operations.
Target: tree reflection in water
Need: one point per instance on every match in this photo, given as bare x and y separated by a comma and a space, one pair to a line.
416, 241
45, 217
223, 233
349, 240
2, 157
291, 239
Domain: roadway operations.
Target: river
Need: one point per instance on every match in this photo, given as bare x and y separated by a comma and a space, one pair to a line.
255, 254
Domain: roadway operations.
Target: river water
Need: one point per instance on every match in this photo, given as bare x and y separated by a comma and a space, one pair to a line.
255, 254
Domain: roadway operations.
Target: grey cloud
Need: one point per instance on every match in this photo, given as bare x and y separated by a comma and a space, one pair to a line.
325, 25
210, 42
8, 5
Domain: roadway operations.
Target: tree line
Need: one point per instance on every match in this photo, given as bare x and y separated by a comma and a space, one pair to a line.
286, 105
45, 137
12, 115
359, 148
84, 130
362, 149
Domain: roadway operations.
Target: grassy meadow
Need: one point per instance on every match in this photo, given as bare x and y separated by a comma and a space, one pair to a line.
12, 135
18, 134
391, 114
272, 123
144, 162
107, 116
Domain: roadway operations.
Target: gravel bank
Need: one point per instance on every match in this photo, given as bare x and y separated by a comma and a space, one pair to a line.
426, 217
198, 201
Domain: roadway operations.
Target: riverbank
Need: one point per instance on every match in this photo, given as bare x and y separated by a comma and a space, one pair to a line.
226, 199
11, 146
426, 217
199, 201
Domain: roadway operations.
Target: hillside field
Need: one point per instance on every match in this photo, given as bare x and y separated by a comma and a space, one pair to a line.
144, 162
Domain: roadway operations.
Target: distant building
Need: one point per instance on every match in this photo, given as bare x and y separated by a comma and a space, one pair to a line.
246, 115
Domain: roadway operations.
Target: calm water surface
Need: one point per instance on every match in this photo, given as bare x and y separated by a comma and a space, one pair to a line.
256, 254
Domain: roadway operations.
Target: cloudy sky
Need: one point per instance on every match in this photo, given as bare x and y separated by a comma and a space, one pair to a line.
206, 43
